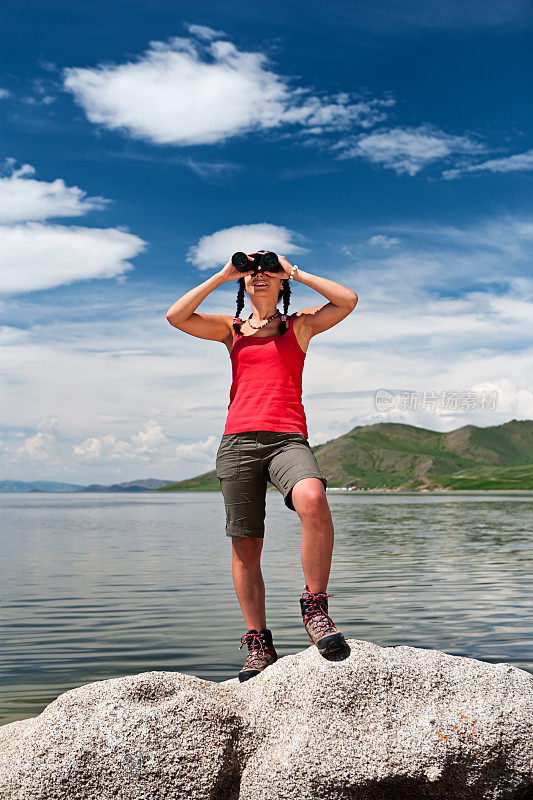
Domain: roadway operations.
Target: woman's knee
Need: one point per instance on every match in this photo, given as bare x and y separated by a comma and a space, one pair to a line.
247, 548
309, 496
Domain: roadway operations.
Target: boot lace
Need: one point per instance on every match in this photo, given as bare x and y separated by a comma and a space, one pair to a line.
256, 648
315, 610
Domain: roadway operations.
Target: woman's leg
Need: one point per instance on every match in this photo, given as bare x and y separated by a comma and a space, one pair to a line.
248, 580
311, 504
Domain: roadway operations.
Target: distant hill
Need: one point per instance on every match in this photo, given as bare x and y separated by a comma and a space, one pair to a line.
205, 482
143, 485
38, 486
391, 455
386, 455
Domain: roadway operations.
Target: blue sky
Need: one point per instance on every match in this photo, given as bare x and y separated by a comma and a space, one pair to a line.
387, 146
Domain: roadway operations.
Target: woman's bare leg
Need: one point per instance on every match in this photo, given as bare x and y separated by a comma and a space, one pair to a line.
311, 504
248, 580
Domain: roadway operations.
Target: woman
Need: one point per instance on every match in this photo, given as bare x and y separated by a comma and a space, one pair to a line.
265, 439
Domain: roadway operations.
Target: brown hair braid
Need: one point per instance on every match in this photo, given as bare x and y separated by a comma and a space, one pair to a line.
284, 292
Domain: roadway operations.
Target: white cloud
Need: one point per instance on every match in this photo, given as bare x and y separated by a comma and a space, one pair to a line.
148, 446
381, 240
35, 447
188, 92
445, 259
41, 446
515, 163
104, 377
203, 32
22, 198
36, 255
215, 249
148, 439
406, 150
205, 449
513, 399
140, 446
4, 93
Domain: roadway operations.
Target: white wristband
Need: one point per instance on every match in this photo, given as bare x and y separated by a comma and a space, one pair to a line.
293, 270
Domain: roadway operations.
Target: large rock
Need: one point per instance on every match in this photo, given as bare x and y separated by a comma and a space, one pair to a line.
392, 722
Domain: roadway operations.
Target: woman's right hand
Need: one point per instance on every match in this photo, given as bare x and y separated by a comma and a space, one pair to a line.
231, 273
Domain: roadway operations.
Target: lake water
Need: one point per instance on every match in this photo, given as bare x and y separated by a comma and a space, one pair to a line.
97, 586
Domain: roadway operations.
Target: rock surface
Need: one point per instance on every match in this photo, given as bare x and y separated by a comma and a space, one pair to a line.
379, 723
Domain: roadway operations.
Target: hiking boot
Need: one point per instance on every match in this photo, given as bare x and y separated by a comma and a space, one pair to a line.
261, 653
318, 623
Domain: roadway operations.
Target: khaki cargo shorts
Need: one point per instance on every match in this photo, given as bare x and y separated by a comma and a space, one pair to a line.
246, 462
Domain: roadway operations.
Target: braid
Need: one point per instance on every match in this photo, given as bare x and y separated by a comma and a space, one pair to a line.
285, 293
240, 306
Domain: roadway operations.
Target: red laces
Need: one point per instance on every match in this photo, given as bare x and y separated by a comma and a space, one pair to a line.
254, 642
315, 609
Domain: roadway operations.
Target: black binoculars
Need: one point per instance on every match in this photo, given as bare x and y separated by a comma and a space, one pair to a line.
262, 261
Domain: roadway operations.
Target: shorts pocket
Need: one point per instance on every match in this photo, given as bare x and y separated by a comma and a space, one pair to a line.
228, 459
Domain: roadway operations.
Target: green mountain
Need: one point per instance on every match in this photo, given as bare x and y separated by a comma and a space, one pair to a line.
391, 455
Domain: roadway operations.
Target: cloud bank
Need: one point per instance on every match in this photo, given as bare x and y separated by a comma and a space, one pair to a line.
435, 313
37, 255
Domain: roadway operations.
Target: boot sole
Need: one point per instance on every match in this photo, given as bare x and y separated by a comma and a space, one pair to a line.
329, 644
247, 674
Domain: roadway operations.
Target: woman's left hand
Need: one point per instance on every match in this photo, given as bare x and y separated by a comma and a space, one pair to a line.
285, 266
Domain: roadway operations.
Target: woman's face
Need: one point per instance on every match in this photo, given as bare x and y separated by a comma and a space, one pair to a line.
260, 285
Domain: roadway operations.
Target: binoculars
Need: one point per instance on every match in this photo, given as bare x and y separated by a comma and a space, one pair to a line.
262, 261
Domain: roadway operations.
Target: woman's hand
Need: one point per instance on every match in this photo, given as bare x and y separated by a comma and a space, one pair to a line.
231, 273
285, 267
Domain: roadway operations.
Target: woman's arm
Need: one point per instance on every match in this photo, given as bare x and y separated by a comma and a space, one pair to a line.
336, 293
342, 302
206, 326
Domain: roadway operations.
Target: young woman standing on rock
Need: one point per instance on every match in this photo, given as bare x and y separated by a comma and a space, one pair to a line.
265, 439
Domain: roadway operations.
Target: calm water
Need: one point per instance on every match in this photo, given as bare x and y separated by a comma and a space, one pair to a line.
98, 586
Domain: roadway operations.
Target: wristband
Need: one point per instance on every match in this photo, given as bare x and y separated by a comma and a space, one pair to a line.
293, 270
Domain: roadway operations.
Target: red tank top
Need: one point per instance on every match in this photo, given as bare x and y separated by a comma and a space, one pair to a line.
266, 388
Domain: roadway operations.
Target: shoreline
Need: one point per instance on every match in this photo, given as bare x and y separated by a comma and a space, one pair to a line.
428, 491
329, 490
